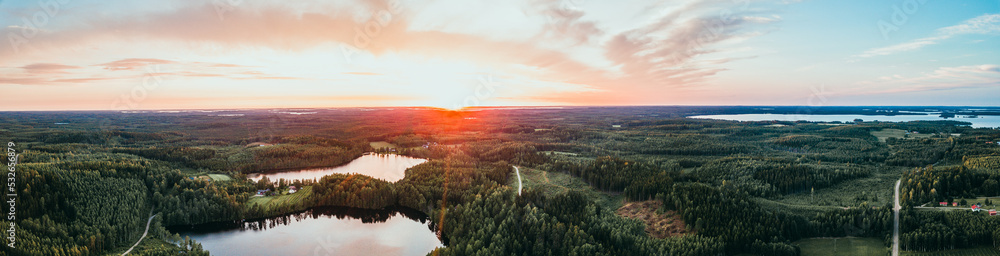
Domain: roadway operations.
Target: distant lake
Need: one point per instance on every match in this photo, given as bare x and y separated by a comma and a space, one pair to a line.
977, 122
389, 167
321, 231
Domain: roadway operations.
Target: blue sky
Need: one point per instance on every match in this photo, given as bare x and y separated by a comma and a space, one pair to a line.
124, 55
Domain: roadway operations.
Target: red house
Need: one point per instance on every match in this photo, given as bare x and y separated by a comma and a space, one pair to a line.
944, 203
975, 208
954, 203
993, 212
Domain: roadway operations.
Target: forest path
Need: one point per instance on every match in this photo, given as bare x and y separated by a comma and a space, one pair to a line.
143, 235
519, 184
895, 225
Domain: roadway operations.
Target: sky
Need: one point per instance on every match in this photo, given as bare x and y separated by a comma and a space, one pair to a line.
138, 55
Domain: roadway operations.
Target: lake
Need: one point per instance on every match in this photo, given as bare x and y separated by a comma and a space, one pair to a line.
388, 167
977, 122
321, 231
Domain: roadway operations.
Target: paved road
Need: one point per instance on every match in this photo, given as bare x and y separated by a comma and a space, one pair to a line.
895, 225
519, 185
143, 235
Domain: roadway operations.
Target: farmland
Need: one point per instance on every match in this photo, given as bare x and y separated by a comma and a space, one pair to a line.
978, 251
842, 246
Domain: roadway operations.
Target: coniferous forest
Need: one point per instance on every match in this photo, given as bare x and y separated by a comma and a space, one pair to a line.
87, 183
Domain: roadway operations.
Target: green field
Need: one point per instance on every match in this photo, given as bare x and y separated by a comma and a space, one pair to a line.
220, 177
876, 190
994, 201
842, 246
381, 144
552, 183
897, 133
269, 202
979, 251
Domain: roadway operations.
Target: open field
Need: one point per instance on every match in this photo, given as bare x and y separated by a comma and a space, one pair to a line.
994, 202
269, 202
381, 144
559, 153
842, 246
897, 133
552, 183
978, 251
805, 210
220, 177
876, 190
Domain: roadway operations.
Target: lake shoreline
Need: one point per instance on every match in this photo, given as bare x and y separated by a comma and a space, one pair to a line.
333, 169
348, 211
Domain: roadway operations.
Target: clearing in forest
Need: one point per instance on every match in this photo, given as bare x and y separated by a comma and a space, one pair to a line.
658, 224
842, 246
273, 202
381, 144
899, 134
983, 251
220, 177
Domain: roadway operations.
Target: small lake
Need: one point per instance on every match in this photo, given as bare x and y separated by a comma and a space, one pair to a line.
388, 167
977, 122
321, 231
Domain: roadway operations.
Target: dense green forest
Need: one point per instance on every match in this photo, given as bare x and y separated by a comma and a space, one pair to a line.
87, 182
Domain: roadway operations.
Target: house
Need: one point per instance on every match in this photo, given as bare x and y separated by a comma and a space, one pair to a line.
291, 189
954, 203
975, 208
993, 212
944, 203
263, 191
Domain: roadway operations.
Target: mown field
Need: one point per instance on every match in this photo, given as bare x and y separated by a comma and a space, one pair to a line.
842, 246
875, 190
978, 251
381, 144
220, 177
553, 183
897, 133
271, 202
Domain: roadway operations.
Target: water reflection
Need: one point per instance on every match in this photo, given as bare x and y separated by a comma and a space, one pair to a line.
321, 231
388, 167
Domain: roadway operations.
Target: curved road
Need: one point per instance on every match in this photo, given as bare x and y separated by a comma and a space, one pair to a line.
519, 185
895, 225
143, 235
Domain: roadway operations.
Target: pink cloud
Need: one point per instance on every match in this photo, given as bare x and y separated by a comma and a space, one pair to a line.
649, 61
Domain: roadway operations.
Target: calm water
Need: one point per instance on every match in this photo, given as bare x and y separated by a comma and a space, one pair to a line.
321, 231
388, 167
977, 122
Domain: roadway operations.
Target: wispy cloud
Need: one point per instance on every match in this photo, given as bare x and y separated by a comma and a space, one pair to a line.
132, 63
984, 24
942, 79
566, 22
672, 45
47, 68
48, 74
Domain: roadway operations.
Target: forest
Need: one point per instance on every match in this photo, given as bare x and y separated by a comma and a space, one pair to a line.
88, 181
